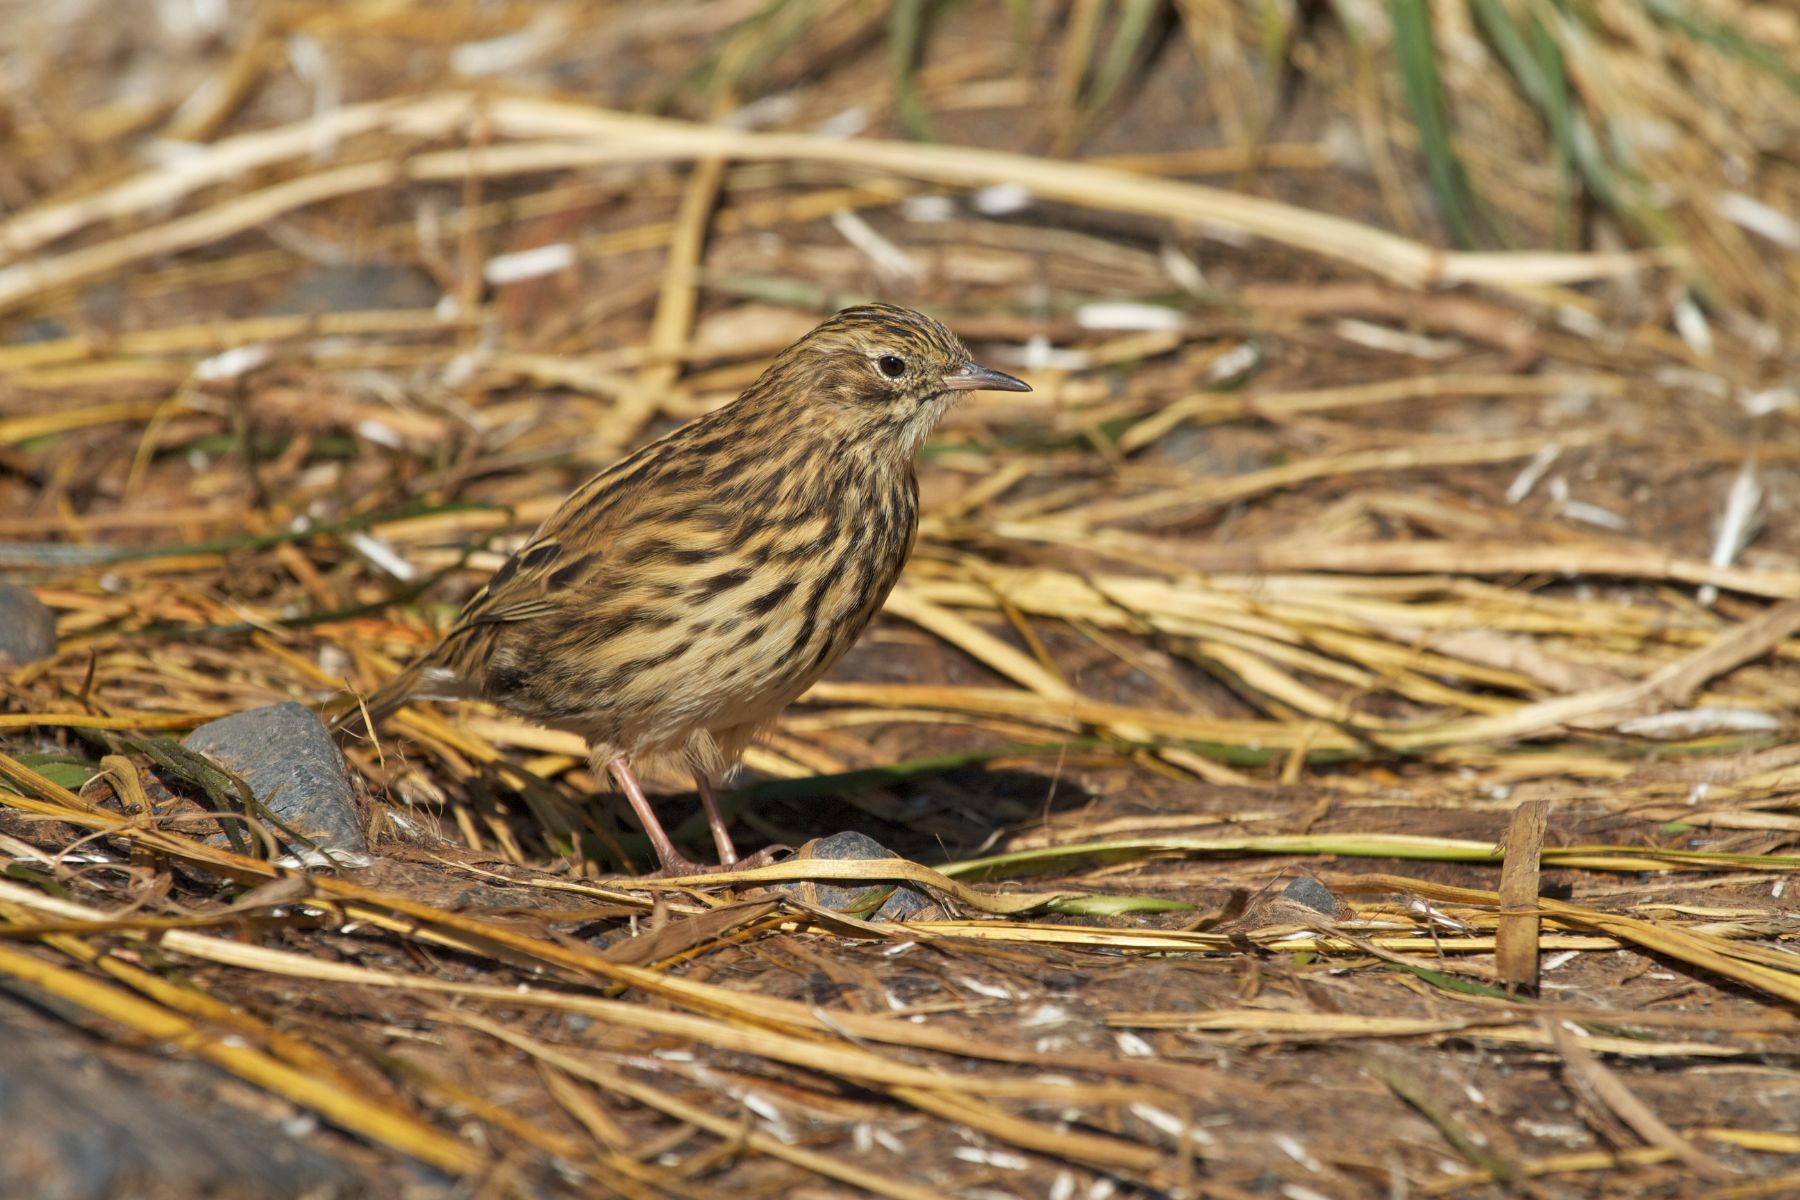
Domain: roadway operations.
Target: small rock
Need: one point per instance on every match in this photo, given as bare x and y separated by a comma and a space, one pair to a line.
873, 901
287, 757
1310, 892
27, 628
354, 287
73, 1126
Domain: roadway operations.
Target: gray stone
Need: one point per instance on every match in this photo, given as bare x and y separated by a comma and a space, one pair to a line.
73, 1127
355, 287
27, 628
857, 898
288, 758
1310, 892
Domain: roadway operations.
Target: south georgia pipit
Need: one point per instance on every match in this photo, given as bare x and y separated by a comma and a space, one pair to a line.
679, 600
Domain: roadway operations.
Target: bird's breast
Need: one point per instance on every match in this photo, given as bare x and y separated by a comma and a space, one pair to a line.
706, 624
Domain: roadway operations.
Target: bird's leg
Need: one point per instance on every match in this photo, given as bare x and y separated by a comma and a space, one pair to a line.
671, 859
728, 855
714, 818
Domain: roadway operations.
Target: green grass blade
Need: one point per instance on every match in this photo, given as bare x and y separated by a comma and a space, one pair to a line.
1702, 28
906, 37
1134, 26
1429, 107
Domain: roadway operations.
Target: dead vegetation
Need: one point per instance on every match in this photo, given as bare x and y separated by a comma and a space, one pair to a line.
1409, 489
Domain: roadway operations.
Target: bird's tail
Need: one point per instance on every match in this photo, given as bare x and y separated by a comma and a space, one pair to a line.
364, 713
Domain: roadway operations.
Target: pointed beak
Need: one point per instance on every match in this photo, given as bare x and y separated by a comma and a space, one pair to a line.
970, 377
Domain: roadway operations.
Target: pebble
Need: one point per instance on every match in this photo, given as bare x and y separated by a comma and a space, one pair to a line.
286, 755
27, 628
855, 897
1310, 892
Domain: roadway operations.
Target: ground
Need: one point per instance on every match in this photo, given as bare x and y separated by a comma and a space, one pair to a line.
1338, 729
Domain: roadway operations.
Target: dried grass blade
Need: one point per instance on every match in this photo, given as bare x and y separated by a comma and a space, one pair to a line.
344, 1107
1613, 1095
1516, 938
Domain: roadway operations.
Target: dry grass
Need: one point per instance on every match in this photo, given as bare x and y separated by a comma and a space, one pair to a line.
1319, 549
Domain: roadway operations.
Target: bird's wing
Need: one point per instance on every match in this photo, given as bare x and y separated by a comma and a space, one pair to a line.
567, 550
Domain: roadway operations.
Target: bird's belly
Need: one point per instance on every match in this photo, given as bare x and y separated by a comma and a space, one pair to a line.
732, 661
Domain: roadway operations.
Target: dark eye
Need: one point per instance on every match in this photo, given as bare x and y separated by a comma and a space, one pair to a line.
891, 365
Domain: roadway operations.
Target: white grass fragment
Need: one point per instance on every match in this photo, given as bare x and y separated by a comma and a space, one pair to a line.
928, 210
1296, 1191
1437, 916
232, 363
846, 124
1219, 231
1000, 199
1594, 514
1168, 1123
326, 858
1709, 383
1038, 354
382, 555
1580, 321
1133, 1046
992, 991
1760, 218
1526, 481
1394, 341
1770, 400
1699, 722
1693, 326
510, 51
379, 432
776, 1124
1236, 361
312, 64
1182, 271
1736, 526
534, 263
888, 258
763, 112
897, 949
1290, 1146
1062, 1187
1005, 1160
462, 367
1126, 317
1559, 960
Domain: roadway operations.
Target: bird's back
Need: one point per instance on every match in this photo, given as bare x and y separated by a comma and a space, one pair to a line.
679, 600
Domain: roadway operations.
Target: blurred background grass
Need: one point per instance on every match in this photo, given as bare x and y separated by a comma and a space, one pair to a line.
1415, 440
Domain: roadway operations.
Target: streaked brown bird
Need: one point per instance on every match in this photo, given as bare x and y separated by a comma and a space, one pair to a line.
680, 599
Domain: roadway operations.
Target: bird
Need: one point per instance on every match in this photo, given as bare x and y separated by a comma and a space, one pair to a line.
677, 601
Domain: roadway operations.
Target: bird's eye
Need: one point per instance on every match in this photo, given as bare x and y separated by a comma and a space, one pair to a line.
891, 365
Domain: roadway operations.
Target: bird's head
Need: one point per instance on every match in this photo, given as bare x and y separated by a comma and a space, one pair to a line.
877, 372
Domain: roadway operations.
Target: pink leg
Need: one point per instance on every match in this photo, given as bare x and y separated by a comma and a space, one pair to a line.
670, 859
721, 836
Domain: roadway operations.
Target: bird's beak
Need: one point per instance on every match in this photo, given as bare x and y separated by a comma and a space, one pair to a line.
971, 377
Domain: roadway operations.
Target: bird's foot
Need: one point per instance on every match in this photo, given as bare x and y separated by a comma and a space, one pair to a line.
676, 866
